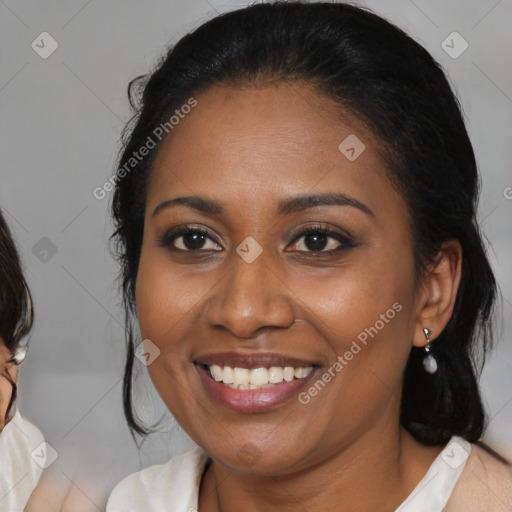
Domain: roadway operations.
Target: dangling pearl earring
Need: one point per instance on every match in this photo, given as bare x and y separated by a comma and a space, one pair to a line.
429, 363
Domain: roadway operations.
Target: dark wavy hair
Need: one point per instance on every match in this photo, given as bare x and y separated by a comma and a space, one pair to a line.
377, 72
16, 309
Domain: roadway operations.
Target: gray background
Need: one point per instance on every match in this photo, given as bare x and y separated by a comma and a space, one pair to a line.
59, 130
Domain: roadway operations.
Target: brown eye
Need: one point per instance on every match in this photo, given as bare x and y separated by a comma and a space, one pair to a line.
192, 240
189, 239
321, 240
316, 242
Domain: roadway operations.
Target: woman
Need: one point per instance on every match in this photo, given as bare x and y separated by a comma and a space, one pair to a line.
22, 449
295, 221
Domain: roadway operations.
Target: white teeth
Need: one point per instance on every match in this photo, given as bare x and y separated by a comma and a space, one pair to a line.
228, 376
216, 372
257, 378
300, 373
275, 375
240, 376
288, 374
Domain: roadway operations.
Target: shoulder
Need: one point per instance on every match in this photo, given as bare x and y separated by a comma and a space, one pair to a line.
20, 436
26, 429
176, 482
23, 456
484, 485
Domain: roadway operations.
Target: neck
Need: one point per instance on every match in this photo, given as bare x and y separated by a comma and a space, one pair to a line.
376, 472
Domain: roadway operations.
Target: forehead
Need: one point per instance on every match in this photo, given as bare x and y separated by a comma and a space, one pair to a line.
273, 140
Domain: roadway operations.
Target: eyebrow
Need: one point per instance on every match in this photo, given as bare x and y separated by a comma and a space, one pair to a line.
285, 207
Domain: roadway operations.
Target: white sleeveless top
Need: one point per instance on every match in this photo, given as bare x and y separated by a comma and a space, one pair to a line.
174, 486
22, 459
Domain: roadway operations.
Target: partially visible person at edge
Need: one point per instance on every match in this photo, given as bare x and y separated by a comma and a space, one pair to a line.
301, 254
19, 438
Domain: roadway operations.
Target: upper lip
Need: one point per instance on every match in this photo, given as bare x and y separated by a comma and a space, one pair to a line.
254, 360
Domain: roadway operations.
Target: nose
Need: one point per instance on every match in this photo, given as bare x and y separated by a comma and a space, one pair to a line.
251, 297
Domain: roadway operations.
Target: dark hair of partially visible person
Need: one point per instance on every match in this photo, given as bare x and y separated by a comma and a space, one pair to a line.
380, 74
16, 309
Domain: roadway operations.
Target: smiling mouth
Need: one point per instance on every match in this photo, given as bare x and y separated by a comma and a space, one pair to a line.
255, 378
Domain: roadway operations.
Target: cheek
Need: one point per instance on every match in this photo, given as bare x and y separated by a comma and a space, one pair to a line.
164, 306
167, 298
365, 313
356, 297
5, 397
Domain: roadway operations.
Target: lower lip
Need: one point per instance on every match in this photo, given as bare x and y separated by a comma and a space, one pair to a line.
252, 400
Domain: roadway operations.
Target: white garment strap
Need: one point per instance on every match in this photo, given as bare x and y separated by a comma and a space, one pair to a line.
435, 488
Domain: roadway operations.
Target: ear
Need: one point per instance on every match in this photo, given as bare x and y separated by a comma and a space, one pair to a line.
438, 292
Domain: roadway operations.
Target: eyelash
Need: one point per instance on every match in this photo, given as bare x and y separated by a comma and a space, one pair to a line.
345, 240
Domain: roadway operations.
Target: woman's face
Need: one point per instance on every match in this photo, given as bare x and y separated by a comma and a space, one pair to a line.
256, 293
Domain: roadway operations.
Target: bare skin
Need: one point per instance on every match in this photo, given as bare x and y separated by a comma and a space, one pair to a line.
8, 372
250, 149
